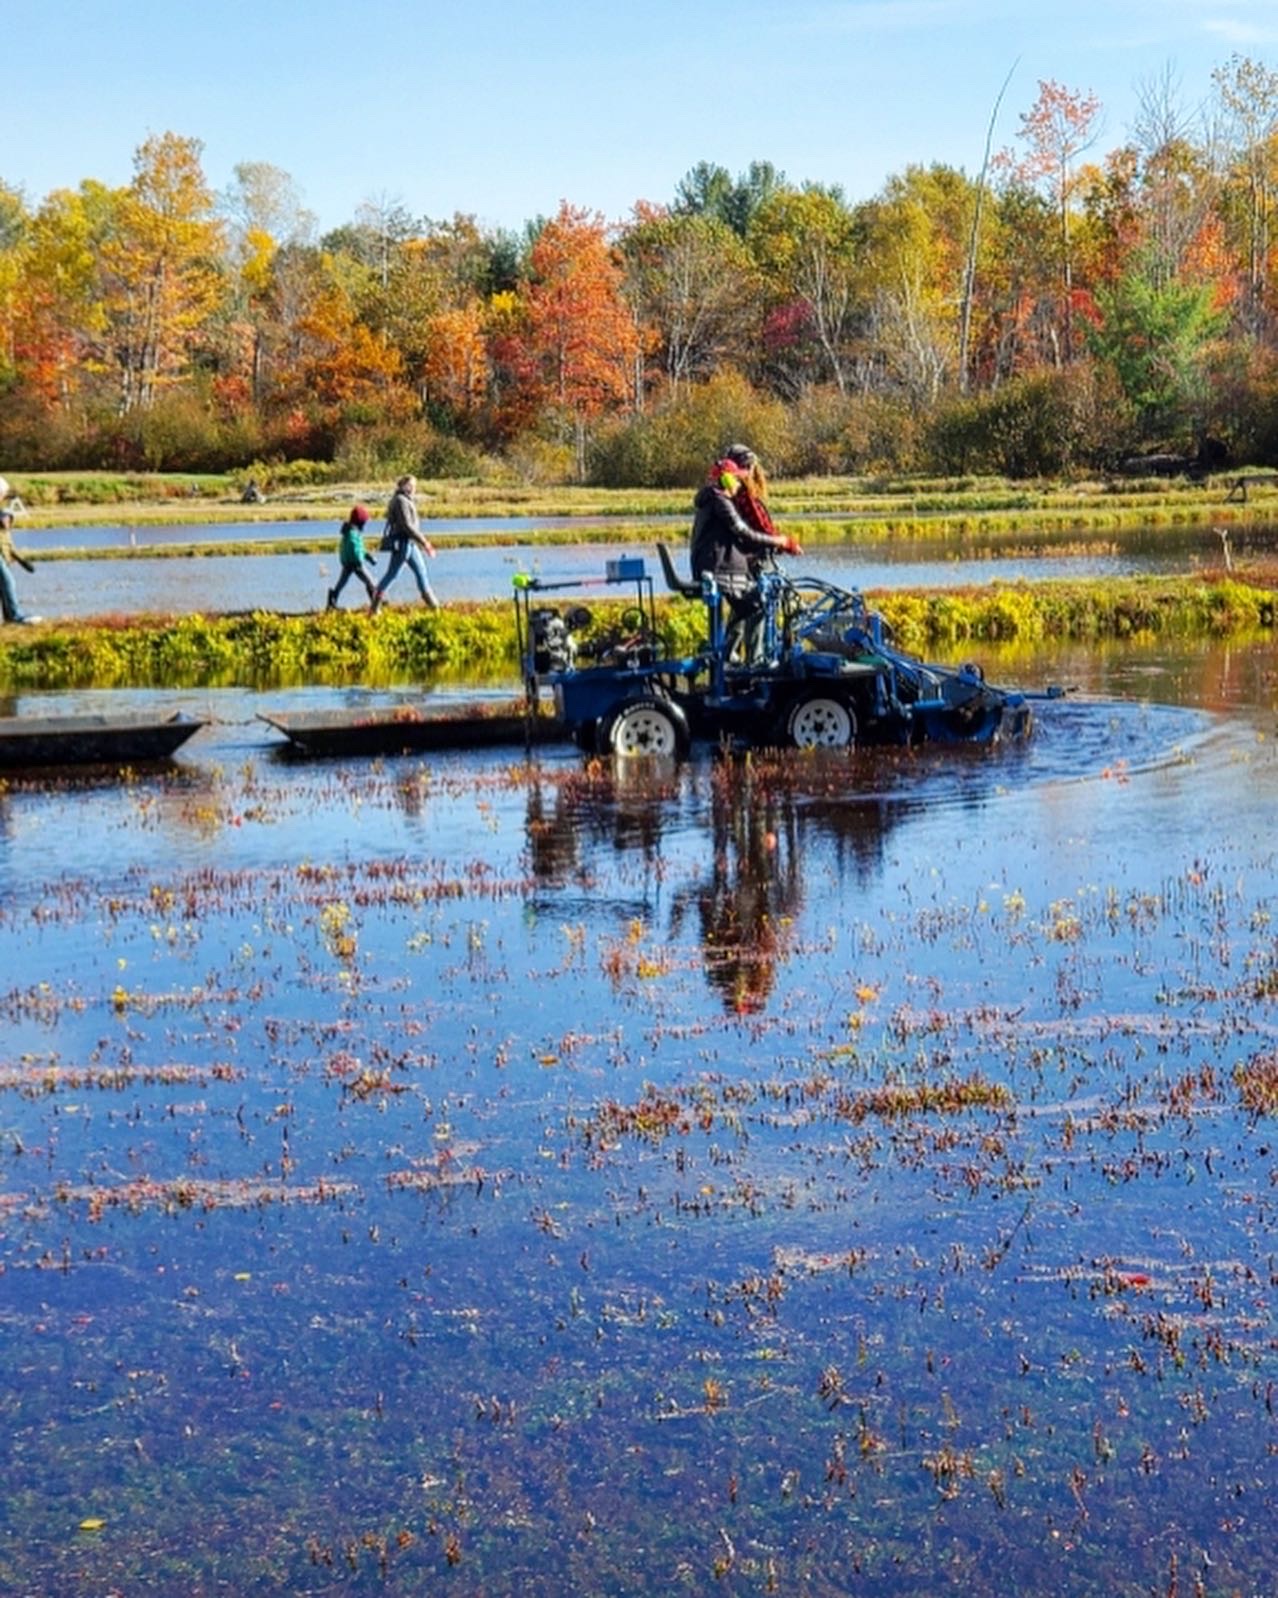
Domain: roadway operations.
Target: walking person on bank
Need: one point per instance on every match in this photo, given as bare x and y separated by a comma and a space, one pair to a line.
403, 538
8, 595
354, 557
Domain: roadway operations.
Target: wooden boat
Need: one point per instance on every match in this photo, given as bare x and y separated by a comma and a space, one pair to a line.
90, 740
410, 730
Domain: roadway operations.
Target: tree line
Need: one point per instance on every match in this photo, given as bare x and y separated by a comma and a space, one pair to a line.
1061, 309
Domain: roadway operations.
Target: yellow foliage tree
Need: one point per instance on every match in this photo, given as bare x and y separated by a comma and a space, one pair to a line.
160, 267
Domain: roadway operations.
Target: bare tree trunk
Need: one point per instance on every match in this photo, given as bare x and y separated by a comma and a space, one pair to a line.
579, 444
969, 270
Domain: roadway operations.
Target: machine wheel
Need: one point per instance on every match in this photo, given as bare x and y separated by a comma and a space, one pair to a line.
644, 727
820, 721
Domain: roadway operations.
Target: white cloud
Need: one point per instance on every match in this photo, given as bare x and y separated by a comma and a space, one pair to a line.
879, 16
1235, 31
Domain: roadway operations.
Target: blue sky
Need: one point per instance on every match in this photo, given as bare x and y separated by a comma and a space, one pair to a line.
502, 110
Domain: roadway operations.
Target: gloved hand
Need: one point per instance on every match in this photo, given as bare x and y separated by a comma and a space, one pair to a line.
370, 560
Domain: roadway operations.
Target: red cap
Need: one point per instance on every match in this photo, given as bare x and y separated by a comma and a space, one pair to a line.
359, 515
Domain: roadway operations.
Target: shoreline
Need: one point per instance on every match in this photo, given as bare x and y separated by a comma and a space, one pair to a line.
255, 648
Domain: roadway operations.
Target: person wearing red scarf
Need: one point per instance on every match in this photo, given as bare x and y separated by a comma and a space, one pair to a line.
733, 534
751, 497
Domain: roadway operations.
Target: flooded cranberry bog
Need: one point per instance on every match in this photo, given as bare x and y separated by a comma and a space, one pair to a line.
798, 1175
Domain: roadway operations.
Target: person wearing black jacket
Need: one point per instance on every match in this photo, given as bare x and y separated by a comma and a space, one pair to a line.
726, 547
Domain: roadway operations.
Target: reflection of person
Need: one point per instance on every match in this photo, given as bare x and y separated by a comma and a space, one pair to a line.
751, 896
403, 538
730, 546
8, 594
353, 556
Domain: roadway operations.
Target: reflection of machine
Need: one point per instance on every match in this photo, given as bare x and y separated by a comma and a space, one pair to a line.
812, 666
745, 836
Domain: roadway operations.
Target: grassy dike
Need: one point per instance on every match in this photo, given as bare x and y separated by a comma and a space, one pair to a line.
815, 509
477, 640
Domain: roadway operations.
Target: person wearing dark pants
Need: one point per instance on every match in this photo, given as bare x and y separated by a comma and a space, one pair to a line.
354, 557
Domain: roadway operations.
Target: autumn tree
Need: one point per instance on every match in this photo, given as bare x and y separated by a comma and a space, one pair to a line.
1058, 127
1248, 94
455, 367
264, 199
804, 242
514, 388
1110, 227
160, 266
382, 224
264, 212
437, 283
581, 331
915, 234
63, 352
1176, 186
14, 224
1020, 330
692, 281
335, 372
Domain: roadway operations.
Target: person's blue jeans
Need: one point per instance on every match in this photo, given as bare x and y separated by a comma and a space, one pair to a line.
360, 576
408, 555
8, 598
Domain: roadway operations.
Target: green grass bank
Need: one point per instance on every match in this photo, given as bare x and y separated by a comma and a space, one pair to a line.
476, 641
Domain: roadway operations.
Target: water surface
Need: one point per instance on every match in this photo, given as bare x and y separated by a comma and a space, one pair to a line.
811, 1176
212, 582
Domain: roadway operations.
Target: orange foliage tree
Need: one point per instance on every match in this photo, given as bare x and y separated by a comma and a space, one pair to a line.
456, 364
345, 364
581, 331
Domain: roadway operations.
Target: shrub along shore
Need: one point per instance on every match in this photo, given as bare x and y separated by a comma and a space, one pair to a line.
477, 640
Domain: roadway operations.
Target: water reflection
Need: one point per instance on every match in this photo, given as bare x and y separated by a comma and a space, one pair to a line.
725, 849
597, 809
368, 1222
747, 902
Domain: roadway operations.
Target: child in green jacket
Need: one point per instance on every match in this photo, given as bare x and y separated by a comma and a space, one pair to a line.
353, 555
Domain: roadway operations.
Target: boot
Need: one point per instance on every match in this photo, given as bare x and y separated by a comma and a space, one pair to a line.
332, 599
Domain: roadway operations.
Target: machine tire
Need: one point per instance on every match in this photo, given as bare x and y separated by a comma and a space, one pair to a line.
820, 720
645, 726
586, 737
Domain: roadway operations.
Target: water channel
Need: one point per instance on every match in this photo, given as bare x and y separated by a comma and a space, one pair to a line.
214, 583
803, 1176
